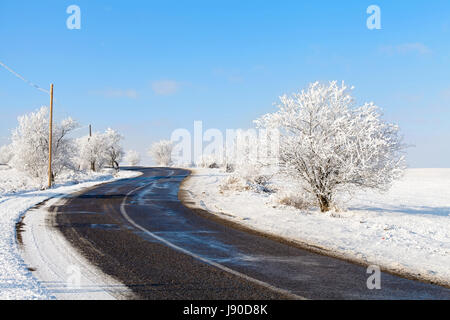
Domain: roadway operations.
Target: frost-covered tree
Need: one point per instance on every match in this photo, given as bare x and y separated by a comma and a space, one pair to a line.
30, 144
113, 148
161, 152
100, 150
91, 152
132, 158
332, 145
253, 153
6, 154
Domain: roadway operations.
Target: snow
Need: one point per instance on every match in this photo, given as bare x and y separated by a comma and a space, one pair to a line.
62, 271
406, 230
18, 193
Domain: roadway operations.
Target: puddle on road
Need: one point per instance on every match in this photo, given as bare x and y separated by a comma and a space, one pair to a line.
202, 243
105, 226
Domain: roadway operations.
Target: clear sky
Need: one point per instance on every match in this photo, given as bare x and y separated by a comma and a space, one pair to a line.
146, 68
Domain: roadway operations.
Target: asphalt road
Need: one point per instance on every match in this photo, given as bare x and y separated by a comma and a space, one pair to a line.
137, 231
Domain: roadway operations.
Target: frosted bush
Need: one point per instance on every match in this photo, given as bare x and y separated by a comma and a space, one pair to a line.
291, 199
209, 161
233, 183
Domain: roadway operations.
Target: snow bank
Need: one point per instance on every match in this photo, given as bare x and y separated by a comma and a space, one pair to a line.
406, 230
18, 193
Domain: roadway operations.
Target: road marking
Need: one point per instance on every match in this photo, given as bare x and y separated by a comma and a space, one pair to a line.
205, 260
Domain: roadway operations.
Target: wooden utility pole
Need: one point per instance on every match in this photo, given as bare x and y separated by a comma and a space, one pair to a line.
90, 136
50, 140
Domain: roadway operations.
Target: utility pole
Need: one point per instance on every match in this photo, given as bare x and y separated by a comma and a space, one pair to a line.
90, 136
50, 140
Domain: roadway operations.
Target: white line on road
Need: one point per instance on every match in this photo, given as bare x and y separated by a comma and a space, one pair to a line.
205, 260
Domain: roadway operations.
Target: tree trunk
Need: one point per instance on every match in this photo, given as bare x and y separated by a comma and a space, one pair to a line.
93, 166
324, 203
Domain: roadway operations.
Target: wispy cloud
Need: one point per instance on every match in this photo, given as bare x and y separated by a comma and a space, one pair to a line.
165, 87
117, 93
406, 48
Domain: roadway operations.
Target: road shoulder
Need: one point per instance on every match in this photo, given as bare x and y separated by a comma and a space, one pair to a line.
57, 265
234, 220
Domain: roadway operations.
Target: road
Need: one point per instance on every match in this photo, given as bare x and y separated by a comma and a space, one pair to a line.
138, 232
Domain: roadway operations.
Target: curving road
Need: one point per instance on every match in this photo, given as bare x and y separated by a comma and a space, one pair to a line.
138, 232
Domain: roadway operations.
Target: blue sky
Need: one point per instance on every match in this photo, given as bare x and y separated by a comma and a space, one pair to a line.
146, 68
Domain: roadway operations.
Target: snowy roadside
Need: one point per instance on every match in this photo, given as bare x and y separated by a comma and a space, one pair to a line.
17, 195
405, 231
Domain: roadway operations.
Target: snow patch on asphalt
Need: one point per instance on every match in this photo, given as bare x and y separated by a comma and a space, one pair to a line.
62, 271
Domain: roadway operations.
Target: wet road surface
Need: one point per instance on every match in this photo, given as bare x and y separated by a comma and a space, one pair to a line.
137, 231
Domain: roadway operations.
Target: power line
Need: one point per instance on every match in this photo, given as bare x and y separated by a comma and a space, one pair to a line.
23, 79
26, 81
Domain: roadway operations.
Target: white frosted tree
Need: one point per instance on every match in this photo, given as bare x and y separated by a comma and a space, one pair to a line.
91, 152
30, 144
161, 152
132, 158
113, 147
100, 150
330, 144
253, 154
6, 154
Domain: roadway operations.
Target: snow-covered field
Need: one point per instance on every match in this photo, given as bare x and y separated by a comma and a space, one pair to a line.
406, 230
18, 193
